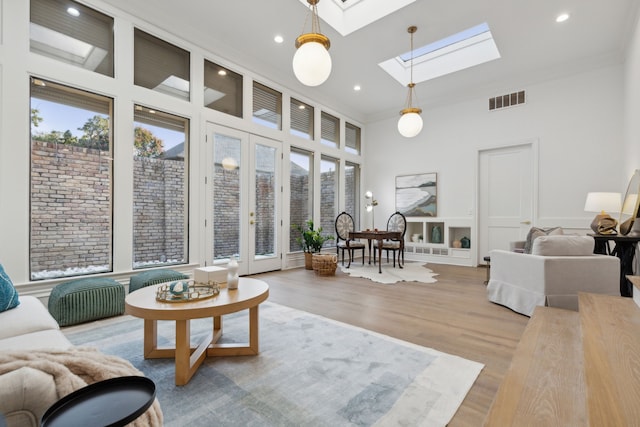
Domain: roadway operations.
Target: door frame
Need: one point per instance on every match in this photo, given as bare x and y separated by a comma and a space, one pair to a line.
533, 143
248, 264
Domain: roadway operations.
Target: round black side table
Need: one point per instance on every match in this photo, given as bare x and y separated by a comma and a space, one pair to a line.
113, 402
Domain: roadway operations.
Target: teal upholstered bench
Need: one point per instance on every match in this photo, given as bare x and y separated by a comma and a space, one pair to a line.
86, 299
153, 277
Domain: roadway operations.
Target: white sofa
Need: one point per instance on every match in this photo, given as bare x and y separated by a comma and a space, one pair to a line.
26, 393
556, 270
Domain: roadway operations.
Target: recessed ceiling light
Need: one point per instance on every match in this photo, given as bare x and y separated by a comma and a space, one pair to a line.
562, 17
73, 11
278, 39
356, 87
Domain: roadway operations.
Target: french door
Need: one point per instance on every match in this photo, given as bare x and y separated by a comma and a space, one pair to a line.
243, 200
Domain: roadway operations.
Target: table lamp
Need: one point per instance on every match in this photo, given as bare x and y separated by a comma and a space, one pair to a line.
603, 203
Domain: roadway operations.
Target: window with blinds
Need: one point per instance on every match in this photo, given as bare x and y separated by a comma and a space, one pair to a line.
222, 89
267, 106
160, 188
352, 138
72, 33
330, 129
301, 119
160, 66
71, 179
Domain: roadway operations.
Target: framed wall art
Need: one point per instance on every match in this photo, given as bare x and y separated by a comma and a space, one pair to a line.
416, 195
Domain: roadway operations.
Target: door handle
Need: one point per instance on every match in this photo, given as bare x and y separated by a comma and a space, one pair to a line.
525, 222
252, 222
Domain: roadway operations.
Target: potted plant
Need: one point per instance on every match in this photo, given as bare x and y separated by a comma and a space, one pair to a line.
311, 239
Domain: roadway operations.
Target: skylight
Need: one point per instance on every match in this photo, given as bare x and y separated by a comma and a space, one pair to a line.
351, 15
465, 49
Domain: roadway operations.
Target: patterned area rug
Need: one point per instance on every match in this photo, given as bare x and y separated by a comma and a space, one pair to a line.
311, 371
411, 272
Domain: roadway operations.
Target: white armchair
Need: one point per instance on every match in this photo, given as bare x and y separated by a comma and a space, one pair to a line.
552, 275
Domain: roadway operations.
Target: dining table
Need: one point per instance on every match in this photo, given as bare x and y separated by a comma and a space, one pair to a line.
379, 236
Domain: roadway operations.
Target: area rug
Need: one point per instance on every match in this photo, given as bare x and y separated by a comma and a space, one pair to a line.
411, 272
311, 371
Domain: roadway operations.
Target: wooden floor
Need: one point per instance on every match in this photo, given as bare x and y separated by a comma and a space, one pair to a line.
452, 315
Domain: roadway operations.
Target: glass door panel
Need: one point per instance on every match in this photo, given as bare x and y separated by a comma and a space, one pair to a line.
227, 168
264, 217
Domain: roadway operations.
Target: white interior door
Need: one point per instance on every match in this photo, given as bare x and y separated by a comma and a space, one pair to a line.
506, 199
243, 199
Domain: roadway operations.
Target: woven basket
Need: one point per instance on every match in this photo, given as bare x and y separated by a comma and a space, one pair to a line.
325, 264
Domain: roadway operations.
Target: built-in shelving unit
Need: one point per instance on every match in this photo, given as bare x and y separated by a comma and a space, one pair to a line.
437, 239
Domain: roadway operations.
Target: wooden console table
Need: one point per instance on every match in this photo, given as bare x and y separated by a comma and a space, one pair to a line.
625, 249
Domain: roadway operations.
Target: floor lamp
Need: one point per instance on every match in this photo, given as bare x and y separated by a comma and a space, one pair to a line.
370, 205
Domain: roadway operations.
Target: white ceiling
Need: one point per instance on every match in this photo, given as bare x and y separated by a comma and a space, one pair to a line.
532, 45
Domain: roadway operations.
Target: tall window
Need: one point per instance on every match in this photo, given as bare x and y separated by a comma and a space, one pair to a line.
352, 139
352, 191
160, 190
301, 119
267, 106
71, 181
328, 195
73, 33
222, 89
160, 66
301, 192
330, 129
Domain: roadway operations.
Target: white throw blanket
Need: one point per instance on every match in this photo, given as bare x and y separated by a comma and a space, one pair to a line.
77, 367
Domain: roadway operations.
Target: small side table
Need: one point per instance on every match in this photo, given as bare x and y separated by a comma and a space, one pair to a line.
113, 402
625, 249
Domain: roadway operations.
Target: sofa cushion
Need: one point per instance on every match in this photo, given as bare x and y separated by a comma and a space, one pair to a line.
563, 246
536, 232
30, 316
8, 294
47, 339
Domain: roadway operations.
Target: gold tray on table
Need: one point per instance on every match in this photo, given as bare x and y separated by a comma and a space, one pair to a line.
186, 290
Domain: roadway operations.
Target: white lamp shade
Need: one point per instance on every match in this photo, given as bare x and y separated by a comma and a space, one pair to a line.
410, 124
312, 64
603, 202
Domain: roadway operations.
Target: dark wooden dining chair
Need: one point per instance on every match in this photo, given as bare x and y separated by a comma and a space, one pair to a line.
396, 222
345, 224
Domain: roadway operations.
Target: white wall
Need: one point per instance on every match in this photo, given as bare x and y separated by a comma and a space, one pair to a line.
577, 122
632, 103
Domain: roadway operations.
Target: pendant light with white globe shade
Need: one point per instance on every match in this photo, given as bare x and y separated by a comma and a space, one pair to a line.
312, 62
410, 123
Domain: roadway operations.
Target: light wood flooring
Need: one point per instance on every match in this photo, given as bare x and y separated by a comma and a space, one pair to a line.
452, 315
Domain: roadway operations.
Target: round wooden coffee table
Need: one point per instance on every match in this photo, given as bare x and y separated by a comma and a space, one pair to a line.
142, 303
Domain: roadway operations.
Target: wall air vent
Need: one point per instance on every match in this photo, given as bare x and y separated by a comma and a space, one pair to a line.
508, 100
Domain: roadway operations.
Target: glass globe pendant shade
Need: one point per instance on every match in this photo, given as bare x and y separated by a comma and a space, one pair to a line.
312, 63
410, 123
